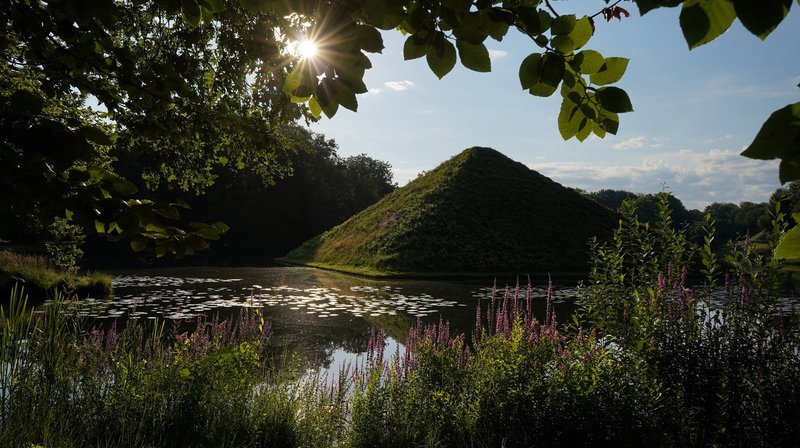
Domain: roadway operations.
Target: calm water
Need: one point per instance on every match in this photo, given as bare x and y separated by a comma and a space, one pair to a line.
322, 317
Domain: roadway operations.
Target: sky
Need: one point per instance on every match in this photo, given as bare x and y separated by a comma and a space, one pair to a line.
694, 111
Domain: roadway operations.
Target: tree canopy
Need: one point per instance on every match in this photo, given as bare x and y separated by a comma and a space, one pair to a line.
199, 84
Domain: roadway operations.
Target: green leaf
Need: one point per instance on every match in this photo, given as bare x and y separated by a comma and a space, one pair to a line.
191, 12
531, 20
646, 6
441, 62
370, 39
413, 51
471, 35
529, 70
789, 247
598, 130
614, 99
138, 243
553, 69
314, 107
588, 62
763, 16
543, 90
611, 71
789, 169
563, 44
167, 211
779, 136
207, 232
582, 32
497, 29
563, 24
584, 129
542, 40
569, 119
161, 250
221, 226
345, 96
294, 79
124, 186
100, 227
474, 57
609, 122
326, 95
704, 20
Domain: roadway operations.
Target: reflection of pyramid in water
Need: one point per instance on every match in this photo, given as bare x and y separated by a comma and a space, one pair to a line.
478, 212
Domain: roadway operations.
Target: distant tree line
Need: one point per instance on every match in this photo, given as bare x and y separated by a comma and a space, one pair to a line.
268, 216
733, 221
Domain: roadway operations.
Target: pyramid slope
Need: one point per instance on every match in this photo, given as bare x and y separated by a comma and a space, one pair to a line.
479, 212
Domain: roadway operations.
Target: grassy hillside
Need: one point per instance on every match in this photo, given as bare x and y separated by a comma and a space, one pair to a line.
41, 280
479, 212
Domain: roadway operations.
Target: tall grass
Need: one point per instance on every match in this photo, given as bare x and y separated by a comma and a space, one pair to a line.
650, 361
42, 279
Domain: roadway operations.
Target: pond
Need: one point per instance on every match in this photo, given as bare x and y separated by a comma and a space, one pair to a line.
323, 318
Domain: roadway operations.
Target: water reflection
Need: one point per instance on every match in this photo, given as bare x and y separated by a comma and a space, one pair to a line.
320, 316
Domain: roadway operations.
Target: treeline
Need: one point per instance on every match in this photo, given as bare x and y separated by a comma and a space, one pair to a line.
267, 215
733, 221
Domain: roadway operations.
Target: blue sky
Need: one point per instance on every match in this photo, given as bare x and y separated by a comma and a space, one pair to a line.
694, 110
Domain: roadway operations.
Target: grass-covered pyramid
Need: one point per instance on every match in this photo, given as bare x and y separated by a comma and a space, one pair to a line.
477, 213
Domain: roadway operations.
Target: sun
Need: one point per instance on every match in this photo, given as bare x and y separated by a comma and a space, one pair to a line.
307, 49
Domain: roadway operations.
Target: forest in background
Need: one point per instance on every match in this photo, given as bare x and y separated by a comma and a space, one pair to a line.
268, 216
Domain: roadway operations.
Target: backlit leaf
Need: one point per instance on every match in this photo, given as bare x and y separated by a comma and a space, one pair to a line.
314, 107
704, 20
441, 62
138, 243
611, 71
582, 32
779, 136
789, 169
191, 12
789, 246
569, 118
474, 57
614, 99
563, 44
412, 51
588, 62
563, 24
370, 39
529, 70
762, 16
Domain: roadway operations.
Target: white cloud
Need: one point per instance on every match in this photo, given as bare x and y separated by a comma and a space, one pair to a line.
399, 85
497, 54
632, 143
374, 91
405, 175
696, 178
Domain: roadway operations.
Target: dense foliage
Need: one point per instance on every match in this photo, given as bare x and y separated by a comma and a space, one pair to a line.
267, 221
207, 83
479, 212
